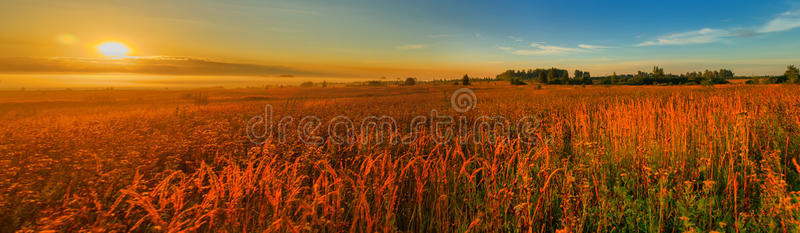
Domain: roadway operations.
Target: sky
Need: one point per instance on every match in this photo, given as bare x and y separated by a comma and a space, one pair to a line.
247, 42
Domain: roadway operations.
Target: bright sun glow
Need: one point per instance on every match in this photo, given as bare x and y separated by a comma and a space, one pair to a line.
113, 49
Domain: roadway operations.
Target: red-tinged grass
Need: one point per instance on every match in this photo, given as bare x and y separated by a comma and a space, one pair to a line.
607, 159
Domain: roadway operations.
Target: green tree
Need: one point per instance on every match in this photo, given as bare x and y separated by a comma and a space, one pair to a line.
791, 74
578, 74
658, 72
614, 78
542, 77
586, 78
726, 74
465, 80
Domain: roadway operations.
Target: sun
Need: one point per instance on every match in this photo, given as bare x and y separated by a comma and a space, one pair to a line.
113, 49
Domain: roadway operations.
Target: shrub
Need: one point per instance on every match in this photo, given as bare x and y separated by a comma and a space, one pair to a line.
374, 83
516, 81
307, 84
410, 81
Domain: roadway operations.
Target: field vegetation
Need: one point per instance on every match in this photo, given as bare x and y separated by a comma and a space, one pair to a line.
717, 158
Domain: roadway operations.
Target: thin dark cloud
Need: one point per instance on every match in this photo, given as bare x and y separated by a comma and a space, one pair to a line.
743, 33
146, 65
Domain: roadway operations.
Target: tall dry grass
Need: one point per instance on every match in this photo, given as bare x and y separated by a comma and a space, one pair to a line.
607, 159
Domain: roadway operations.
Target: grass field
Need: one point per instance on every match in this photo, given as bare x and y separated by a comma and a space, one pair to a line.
603, 159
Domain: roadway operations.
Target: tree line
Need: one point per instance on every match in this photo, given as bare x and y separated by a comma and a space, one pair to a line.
579, 77
789, 76
656, 77
546, 76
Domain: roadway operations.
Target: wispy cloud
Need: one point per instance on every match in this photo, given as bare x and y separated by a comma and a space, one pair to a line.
785, 21
411, 47
505, 48
782, 22
541, 49
514, 38
702, 36
588, 46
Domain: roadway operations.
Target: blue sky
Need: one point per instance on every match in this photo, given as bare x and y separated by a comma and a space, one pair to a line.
754, 36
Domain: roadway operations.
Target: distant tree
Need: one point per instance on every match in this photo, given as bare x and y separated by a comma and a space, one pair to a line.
641, 78
792, 74
707, 77
307, 84
516, 81
324, 84
410, 81
725, 74
551, 76
658, 72
542, 77
374, 83
580, 77
465, 80
586, 78
614, 78
507, 75
578, 74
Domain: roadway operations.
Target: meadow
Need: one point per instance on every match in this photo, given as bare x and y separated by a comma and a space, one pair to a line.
717, 158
